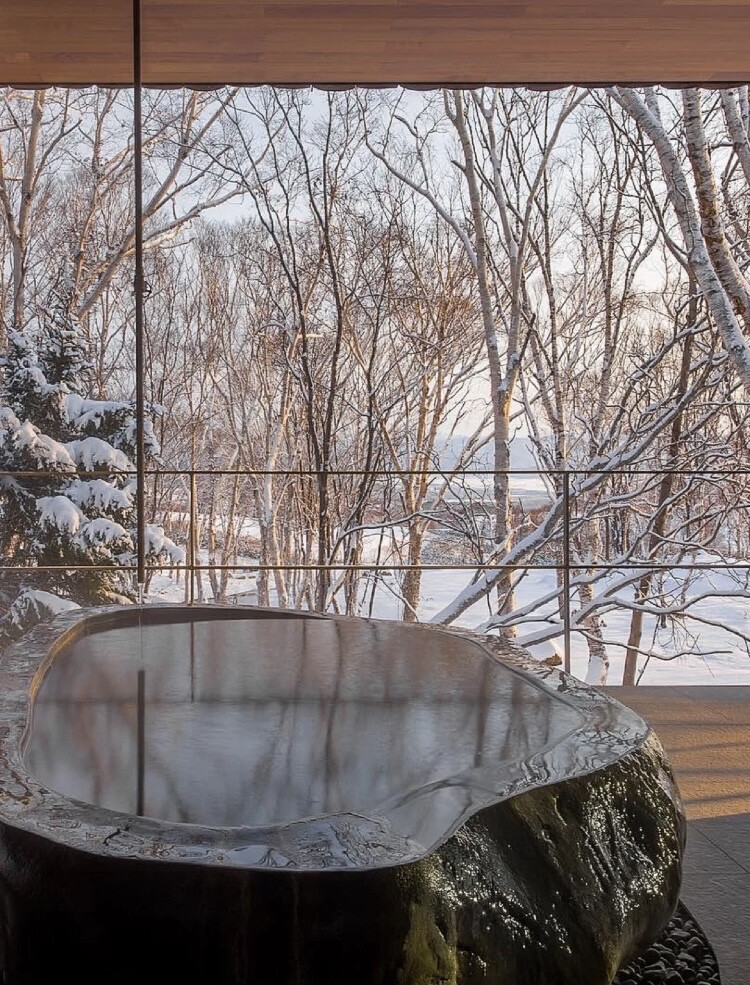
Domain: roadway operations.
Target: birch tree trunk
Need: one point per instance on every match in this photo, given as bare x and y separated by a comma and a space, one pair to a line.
656, 538
706, 246
502, 384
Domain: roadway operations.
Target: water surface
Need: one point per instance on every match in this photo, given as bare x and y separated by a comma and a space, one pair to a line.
264, 721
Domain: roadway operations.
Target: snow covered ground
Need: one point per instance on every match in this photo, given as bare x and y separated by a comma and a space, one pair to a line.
723, 658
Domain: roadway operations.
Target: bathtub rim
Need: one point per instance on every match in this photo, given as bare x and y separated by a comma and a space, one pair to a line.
309, 845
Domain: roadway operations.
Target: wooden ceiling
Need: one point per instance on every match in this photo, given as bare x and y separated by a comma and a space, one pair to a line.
208, 42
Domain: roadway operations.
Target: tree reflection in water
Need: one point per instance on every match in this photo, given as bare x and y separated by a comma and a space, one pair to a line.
267, 721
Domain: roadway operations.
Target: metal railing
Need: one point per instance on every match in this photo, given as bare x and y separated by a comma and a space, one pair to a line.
567, 520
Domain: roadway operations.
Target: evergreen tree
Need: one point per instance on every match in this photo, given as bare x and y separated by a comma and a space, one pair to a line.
65, 358
63, 517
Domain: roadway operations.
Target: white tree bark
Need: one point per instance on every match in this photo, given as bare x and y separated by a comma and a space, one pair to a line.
724, 294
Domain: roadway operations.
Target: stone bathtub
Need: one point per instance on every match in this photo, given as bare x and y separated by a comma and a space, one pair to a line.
248, 796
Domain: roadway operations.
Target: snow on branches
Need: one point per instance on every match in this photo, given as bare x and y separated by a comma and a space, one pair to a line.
68, 493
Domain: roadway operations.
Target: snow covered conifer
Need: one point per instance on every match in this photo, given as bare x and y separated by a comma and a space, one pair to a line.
63, 517
25, 390
65, 357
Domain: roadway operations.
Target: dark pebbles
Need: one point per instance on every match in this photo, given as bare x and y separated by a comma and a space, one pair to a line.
681, 956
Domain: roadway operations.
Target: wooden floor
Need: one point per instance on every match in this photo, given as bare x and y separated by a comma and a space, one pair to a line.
706, 733
376, 41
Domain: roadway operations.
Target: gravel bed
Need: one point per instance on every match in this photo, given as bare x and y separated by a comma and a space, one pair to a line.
681, 956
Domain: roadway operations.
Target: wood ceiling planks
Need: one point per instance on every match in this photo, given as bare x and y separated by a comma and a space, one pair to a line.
71, 41
205, 42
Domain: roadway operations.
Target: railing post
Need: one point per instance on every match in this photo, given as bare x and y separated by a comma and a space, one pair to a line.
140, 743
193, 532
139, 291
566, 570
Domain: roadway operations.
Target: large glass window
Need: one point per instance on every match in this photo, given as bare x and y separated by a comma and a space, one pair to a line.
471, 357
